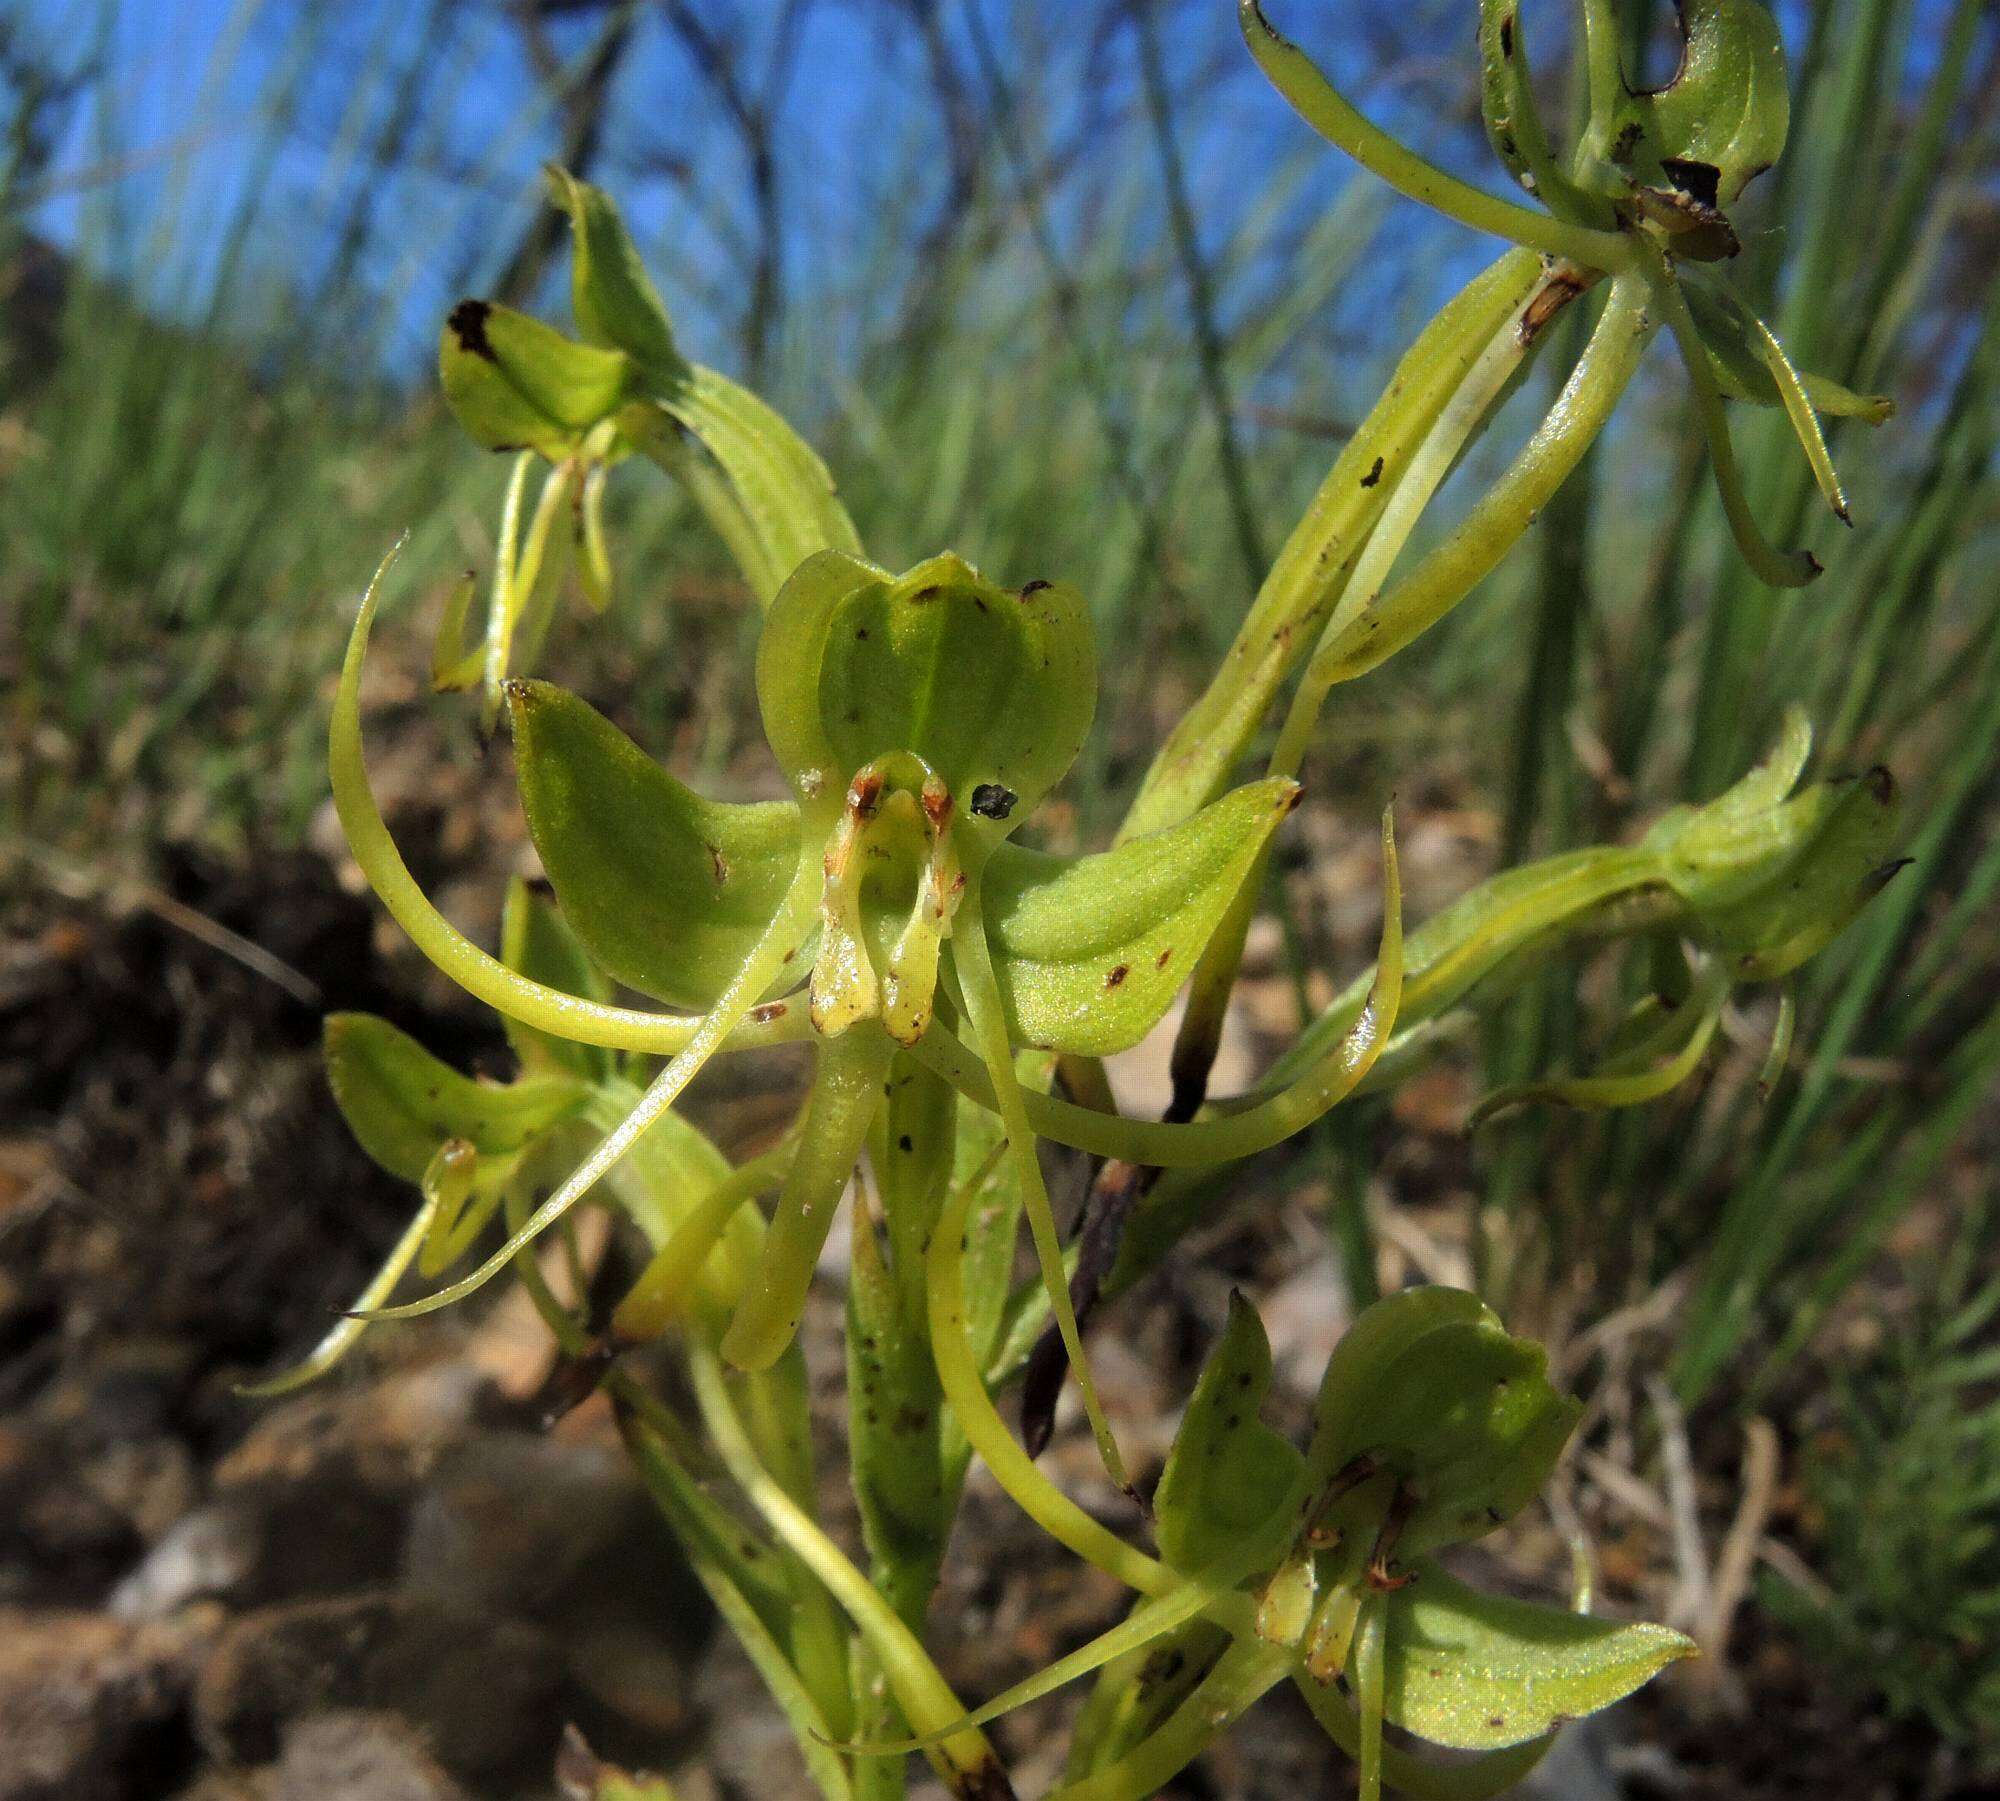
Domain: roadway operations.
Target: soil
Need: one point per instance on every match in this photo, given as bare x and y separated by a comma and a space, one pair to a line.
399, 1586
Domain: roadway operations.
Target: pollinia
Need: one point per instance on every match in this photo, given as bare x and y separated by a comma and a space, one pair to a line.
958, 988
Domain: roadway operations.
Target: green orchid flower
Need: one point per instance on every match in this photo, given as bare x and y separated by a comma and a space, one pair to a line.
918, 720
1637, 213
1433, 1427
583, 406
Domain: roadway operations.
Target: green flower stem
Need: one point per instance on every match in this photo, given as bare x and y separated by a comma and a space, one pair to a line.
1326, 1082
1463, 415
564, 1327
717, 503
1462, 418
1620, 1088
1312, 566
1776, 568
846, 1093
986, 1432
1449, 954
480, 974
593, 550
340, 1339
1241, 1675
1322, 107
517, 569
761, 968
797, 1607
775, 1442
1150, 1620
1370, 1673
710, 1549
1384, 624
661, 1294
965, 1759
1605, 75
973, 960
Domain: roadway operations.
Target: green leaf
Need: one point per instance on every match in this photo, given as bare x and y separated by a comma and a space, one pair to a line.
401, 1103
1728, 108
1847, 831
455, 663
992, 689
1380, 1335
1466, 1416
517, 384
745, 1580
614, 299
784, 489
1227, 1469
1429, 1389
666, 892
1770, 881
1513, 120
1744, 369
1481, 1671
536, 941
1089, 951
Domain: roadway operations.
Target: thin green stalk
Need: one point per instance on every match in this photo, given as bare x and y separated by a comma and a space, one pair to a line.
1317, 102
1387, 623
1312, 567
965, 1760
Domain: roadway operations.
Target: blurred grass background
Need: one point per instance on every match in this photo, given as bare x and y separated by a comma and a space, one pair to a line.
1062, 286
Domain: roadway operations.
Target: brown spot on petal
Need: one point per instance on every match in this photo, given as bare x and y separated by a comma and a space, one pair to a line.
1559, 287
467, 322
1118, 975
865, 795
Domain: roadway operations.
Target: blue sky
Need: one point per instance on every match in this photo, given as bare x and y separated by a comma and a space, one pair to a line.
238, 132
223, 163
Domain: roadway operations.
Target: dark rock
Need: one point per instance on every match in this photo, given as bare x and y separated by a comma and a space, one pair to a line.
88, 1706
485, 1691
345, 1756
563, 1534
